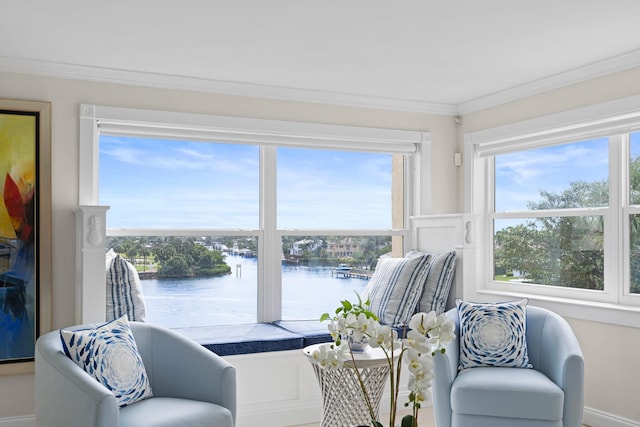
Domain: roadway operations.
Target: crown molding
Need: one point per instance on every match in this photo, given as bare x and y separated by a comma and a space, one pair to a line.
577, 75
167, 81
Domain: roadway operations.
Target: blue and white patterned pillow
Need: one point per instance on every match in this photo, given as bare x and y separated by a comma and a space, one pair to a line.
396, 287
110, 355
493, 334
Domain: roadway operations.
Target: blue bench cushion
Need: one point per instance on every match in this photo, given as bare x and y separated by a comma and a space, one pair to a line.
227, 340
312, 331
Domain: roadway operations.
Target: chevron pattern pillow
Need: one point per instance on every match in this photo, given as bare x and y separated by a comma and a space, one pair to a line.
110, 355
493, 334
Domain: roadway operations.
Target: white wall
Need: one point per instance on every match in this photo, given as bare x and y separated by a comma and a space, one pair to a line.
611, 352
65, 95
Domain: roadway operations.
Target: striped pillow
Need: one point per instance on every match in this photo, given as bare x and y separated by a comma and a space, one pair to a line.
438, 281
124, 291
395, 288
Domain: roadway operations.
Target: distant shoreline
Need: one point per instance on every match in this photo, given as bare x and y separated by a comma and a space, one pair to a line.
147, 275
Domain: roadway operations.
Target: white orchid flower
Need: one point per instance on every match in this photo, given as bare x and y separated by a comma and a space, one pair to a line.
416, 340
319, 356
422, 322
335, 359
383, 336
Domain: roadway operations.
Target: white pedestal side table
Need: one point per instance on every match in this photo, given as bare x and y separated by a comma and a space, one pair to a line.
343, 404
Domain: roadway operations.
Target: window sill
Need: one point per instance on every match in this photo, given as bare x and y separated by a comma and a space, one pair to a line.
622, 315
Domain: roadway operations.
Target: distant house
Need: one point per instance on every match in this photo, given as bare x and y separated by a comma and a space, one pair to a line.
298, 248
342, 248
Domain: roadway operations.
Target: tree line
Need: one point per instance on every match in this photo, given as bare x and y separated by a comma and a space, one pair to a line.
203, 256
174, 256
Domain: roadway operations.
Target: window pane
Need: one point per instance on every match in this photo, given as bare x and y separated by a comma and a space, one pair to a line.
333, 189
189, 281
563, 176
156, 183
634, 169
320, 271
634, 261
556, 251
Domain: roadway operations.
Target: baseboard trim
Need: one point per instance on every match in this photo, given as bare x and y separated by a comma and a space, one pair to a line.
24, 421
591, 417
595, 418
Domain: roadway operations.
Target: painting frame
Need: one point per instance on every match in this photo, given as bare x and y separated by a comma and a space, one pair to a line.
24, 120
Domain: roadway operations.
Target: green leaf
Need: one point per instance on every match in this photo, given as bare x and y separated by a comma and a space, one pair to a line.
325, 316
376, 423
408, 421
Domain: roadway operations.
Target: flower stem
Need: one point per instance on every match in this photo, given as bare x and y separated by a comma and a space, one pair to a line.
367, 399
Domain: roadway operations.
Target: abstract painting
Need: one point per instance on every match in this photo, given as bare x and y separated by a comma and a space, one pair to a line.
24, 130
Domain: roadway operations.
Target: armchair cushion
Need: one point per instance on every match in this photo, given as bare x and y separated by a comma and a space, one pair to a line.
507, 393
109, 354
493, 334
171, 412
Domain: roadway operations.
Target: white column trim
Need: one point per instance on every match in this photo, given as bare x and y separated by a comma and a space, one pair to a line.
91, 300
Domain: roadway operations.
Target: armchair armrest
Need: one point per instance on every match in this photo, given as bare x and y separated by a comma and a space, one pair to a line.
560, 358
62, 384
445, 371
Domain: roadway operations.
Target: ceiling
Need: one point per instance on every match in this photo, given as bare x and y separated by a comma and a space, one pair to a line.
439, 56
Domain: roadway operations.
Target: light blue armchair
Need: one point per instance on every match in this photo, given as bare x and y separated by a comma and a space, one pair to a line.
549, 395
192, 386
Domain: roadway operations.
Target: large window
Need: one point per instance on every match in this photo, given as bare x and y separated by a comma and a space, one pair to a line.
238, 222
559, 208
549, 212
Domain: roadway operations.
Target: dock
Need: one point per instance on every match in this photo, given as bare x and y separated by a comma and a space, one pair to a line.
353, 273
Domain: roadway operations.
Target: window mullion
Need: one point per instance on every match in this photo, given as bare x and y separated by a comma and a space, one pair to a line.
269, 265
615, 267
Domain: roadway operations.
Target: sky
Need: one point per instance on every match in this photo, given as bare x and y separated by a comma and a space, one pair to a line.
521, 176
155, 183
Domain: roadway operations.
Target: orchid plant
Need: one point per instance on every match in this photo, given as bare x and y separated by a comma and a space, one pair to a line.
428, 333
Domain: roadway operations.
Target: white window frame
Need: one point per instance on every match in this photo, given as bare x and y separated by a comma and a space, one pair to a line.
268, 134
614, 120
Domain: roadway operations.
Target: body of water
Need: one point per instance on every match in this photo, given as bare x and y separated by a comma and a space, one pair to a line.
307, 292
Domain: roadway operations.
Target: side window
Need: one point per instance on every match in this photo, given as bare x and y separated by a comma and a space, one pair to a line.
549, 217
